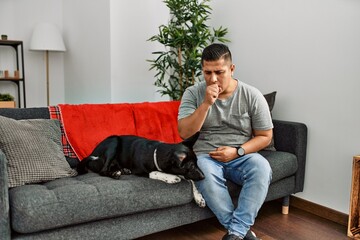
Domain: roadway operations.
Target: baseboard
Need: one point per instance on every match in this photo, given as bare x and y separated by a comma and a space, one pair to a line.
318, 210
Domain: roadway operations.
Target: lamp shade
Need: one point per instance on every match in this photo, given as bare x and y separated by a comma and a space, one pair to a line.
47, 36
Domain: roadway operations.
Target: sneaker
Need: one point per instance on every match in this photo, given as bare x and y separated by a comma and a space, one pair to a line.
250, 235
231, 237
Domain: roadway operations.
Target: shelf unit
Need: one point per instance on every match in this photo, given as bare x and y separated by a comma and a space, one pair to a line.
354, 213
19, 81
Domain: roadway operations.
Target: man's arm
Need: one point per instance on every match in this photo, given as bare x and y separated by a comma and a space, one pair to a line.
188, 126
191, 124
261, 139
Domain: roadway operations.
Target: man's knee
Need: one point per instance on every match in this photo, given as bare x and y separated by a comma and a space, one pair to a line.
261, 167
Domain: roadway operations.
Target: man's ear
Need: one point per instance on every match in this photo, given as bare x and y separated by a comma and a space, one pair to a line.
189, 142
232, 69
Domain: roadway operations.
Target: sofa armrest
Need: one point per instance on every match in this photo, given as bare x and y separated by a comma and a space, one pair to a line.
4, 199
292, 137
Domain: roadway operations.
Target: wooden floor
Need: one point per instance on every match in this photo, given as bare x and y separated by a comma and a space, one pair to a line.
270, 225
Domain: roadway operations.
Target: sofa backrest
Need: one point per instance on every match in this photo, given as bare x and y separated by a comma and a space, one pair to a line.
88, 124
157, 120
25, 113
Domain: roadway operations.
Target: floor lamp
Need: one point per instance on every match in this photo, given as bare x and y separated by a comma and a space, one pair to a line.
47, 37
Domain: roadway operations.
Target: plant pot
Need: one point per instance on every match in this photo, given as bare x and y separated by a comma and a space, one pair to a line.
7, 104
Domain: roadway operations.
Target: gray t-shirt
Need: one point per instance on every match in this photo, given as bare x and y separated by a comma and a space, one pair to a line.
229, 122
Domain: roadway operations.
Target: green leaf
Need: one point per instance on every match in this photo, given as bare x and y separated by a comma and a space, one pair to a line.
188, 31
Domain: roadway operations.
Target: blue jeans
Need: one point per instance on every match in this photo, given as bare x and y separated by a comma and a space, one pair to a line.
252, 172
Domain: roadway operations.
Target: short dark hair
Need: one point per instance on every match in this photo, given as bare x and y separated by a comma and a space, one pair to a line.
215, 52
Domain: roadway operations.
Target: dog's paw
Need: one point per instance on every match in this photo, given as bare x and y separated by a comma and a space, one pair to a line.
154, 175
165, 177
126, 171
200, 201
172, 179
198, 198
116, 175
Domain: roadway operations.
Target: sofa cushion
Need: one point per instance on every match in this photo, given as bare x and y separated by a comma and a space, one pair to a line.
90, 197
33, 150
270, 99
283, 165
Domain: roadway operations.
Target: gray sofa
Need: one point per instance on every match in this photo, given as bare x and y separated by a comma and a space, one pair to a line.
93, 207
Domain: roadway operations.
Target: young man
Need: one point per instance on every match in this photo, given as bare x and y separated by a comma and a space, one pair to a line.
234, 123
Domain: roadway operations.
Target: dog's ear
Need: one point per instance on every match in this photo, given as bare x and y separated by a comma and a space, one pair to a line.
180, 156
189, 142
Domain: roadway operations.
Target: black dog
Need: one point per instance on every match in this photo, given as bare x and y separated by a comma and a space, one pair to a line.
117, 155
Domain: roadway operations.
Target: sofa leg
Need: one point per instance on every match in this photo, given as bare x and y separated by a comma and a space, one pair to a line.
285, 205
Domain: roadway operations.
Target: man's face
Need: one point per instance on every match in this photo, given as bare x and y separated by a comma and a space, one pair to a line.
218, 72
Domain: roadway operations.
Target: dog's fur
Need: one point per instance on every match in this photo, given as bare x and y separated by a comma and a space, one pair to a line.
118, 155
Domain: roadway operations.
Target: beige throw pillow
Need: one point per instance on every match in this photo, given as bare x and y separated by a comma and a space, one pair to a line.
33, 151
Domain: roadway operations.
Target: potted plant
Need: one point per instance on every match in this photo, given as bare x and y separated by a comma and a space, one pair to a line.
178, 65
6, 101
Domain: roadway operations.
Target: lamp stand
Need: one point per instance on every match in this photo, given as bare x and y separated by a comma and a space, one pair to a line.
47, 76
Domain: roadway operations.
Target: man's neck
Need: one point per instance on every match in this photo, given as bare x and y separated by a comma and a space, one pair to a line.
229, 91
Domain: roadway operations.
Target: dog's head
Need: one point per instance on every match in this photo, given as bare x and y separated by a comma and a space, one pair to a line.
184, 161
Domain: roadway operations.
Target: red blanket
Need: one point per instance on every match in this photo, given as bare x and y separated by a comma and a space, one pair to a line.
86, 125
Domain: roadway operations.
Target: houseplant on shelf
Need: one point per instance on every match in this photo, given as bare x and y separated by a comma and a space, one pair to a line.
6, 101
178, 65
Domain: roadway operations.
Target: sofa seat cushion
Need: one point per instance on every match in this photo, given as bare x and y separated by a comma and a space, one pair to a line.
90, 197
283, 165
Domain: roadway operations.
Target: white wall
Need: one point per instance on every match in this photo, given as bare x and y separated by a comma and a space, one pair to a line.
131, 25
106, 60
307, 50
87, 61
17, 20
